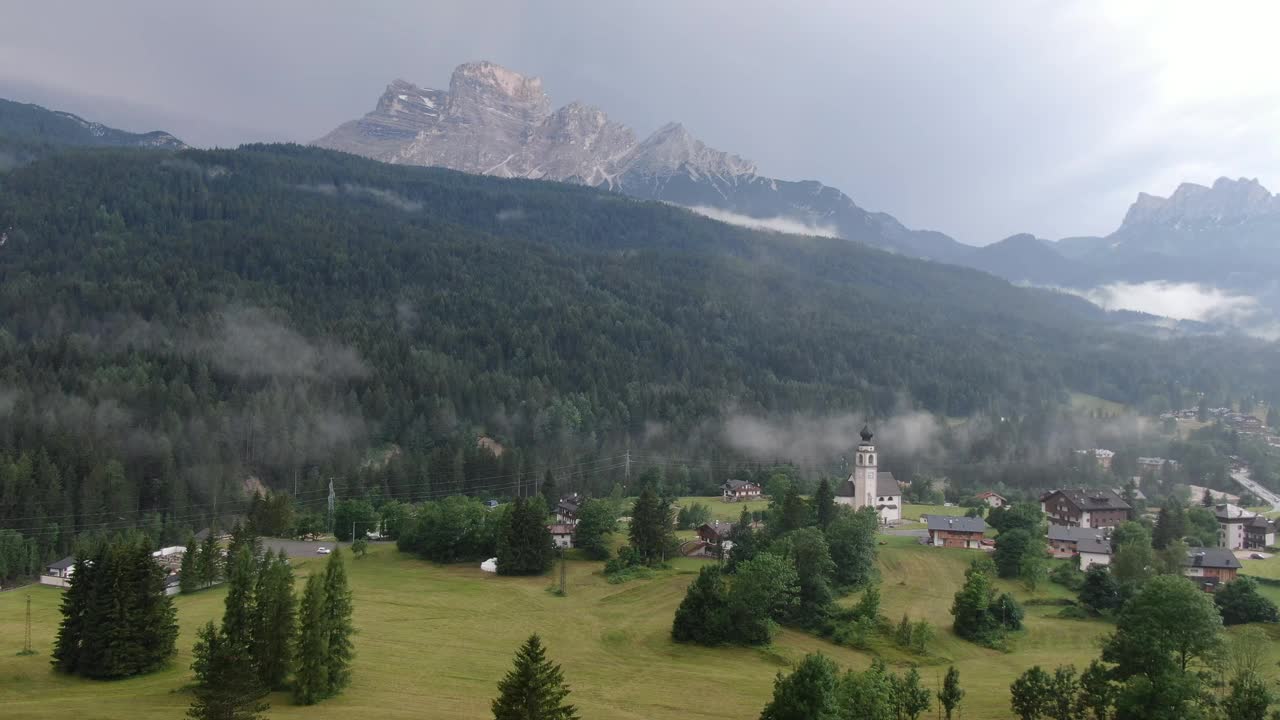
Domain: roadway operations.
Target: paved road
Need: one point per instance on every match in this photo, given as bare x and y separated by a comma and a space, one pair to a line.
1264, 494
300, 548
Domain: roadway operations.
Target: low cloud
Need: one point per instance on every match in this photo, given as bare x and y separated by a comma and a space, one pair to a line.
790, 226
386, 197
808, 438
1187, 301
248, 342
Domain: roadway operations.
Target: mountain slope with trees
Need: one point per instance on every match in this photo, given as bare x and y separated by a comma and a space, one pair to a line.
174, 322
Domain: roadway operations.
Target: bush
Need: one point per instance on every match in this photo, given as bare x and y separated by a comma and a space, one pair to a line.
1074, 612
1067, 576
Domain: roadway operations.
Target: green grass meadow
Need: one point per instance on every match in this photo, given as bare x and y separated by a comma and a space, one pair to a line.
434, 641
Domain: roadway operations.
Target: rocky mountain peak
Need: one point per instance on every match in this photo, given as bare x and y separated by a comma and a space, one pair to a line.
488, 87
1227, 201
495, 121
673, 148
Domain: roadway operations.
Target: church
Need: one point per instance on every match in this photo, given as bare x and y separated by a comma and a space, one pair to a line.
868, 487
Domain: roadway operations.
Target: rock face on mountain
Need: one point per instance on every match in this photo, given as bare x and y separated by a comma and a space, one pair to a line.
495, 121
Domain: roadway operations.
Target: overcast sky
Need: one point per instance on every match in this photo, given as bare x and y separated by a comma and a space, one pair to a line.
979, 119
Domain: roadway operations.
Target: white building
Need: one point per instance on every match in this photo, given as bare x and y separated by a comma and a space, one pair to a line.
868, 487
562, 535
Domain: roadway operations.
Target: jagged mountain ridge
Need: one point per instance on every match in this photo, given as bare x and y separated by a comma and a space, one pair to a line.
1226, 235
495, 121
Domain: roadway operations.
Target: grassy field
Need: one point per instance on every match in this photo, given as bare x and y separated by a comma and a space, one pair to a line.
721, 510
914, 512
434, 641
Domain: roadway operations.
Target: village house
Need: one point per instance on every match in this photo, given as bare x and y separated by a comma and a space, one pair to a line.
715, 532
868, 487
1080, 507
1240, 529
567, 509
561, 535
1210, 567
992, 500
1100, 455
58, 574
1148, 467
956, 532
1093, 551
736, 490
1093, 546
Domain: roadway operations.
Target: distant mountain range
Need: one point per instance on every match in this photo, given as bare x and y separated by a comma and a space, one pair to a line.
35, 125
494, 121
1226, 236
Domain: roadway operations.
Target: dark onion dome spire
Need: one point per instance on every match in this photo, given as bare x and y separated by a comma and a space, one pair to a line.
866, 434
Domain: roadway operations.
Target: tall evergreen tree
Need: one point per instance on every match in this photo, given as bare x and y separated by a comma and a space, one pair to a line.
794, 513
75, 606
524, 543
1171, 524
703, 614
534, 689
239, 610
209, 567
824, 504
337, 618
311, 676
649, 527
746, 545
548, 489
188, 579
226, 686
274, 621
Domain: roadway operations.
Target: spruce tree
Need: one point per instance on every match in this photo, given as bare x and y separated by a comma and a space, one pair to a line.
794, 514
209, 567
703, 614
238, 615
337, 618
75, 606
649, 527
534, 689
188, 580
274, 620
548, 489
310, 678
226, 686
524, 543
824, 504
155, 626
745, 543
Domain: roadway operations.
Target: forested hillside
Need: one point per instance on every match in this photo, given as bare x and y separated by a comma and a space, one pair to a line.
171, 323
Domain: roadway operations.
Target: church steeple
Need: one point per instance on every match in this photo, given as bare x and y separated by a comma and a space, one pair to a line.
866, 434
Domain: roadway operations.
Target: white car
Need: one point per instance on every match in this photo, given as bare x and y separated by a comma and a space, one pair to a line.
323, 550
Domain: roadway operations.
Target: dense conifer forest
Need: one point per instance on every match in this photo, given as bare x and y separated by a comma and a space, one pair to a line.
174, 323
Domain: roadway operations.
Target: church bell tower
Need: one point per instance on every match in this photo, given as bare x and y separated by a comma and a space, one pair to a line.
865, 472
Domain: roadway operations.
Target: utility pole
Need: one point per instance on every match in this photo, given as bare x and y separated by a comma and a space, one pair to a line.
26, 646
563, 573
627, 466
